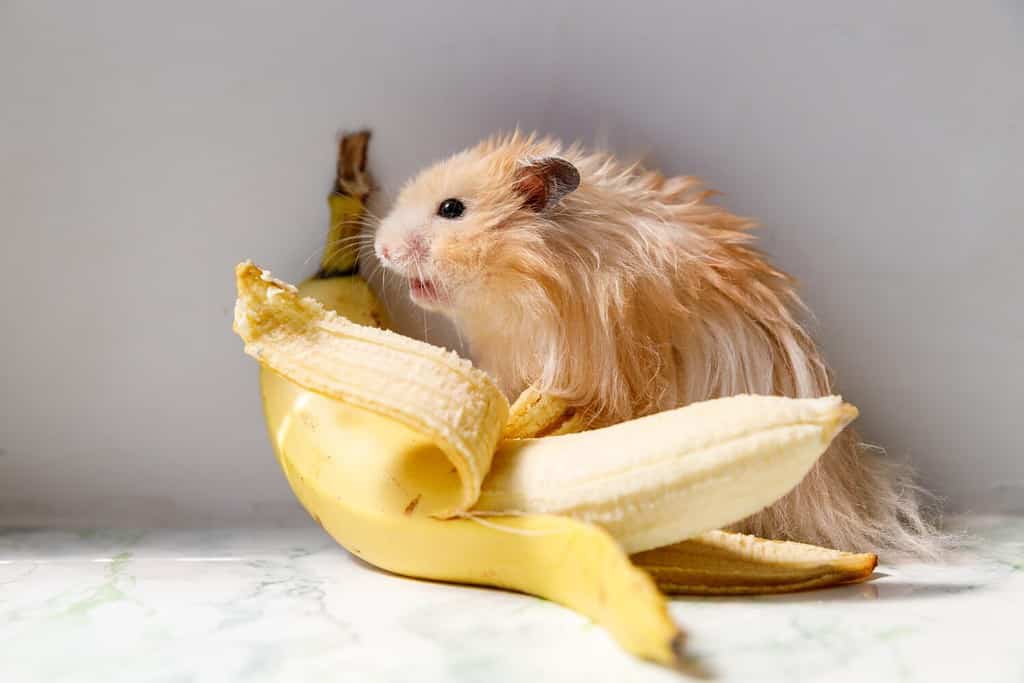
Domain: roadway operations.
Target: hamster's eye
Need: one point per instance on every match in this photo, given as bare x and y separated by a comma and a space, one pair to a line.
451, 208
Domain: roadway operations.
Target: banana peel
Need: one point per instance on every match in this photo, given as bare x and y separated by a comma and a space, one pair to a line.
728, 563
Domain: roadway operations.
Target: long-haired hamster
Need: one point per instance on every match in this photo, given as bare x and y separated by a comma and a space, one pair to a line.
625, 292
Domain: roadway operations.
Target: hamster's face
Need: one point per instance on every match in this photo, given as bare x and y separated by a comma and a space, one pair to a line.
424, 238
455, 229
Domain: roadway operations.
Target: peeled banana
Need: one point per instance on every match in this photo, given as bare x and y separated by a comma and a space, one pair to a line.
409, 457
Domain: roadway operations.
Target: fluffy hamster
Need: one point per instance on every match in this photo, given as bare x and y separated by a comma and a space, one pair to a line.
625, 293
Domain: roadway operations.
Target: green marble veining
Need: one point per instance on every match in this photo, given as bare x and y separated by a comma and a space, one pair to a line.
289, 605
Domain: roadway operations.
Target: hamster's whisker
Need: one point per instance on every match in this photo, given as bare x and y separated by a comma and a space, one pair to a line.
419, 276
383, 295
318, 250
331, 249
367, 211
384, 288
458, 330
369, 222
390, 282
334, 248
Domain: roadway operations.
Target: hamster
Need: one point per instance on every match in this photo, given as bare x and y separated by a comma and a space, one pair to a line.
626, 292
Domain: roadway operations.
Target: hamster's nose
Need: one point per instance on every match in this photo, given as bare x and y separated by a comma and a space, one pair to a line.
385, 252
417, 246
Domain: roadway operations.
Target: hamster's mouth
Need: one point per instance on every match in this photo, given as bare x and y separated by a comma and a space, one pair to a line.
426, 292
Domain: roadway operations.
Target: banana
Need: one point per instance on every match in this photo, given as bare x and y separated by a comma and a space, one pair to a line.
405, 454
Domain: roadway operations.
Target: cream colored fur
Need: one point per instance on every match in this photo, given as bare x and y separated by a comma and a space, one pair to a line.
633, 295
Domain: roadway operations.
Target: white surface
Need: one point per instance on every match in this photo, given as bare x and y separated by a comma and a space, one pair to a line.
253, 606
145, 148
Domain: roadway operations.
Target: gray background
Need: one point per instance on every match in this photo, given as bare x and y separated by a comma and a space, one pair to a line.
148, 147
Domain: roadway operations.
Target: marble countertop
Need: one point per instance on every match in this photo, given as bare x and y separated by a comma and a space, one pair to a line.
290, 605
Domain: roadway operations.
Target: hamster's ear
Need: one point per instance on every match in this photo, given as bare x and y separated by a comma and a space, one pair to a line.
544, 182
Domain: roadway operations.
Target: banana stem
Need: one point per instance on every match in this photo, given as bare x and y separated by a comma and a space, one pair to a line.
347, 201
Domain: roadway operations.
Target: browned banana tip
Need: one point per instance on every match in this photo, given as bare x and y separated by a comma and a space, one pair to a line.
352, 178
245, 275
865, 565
